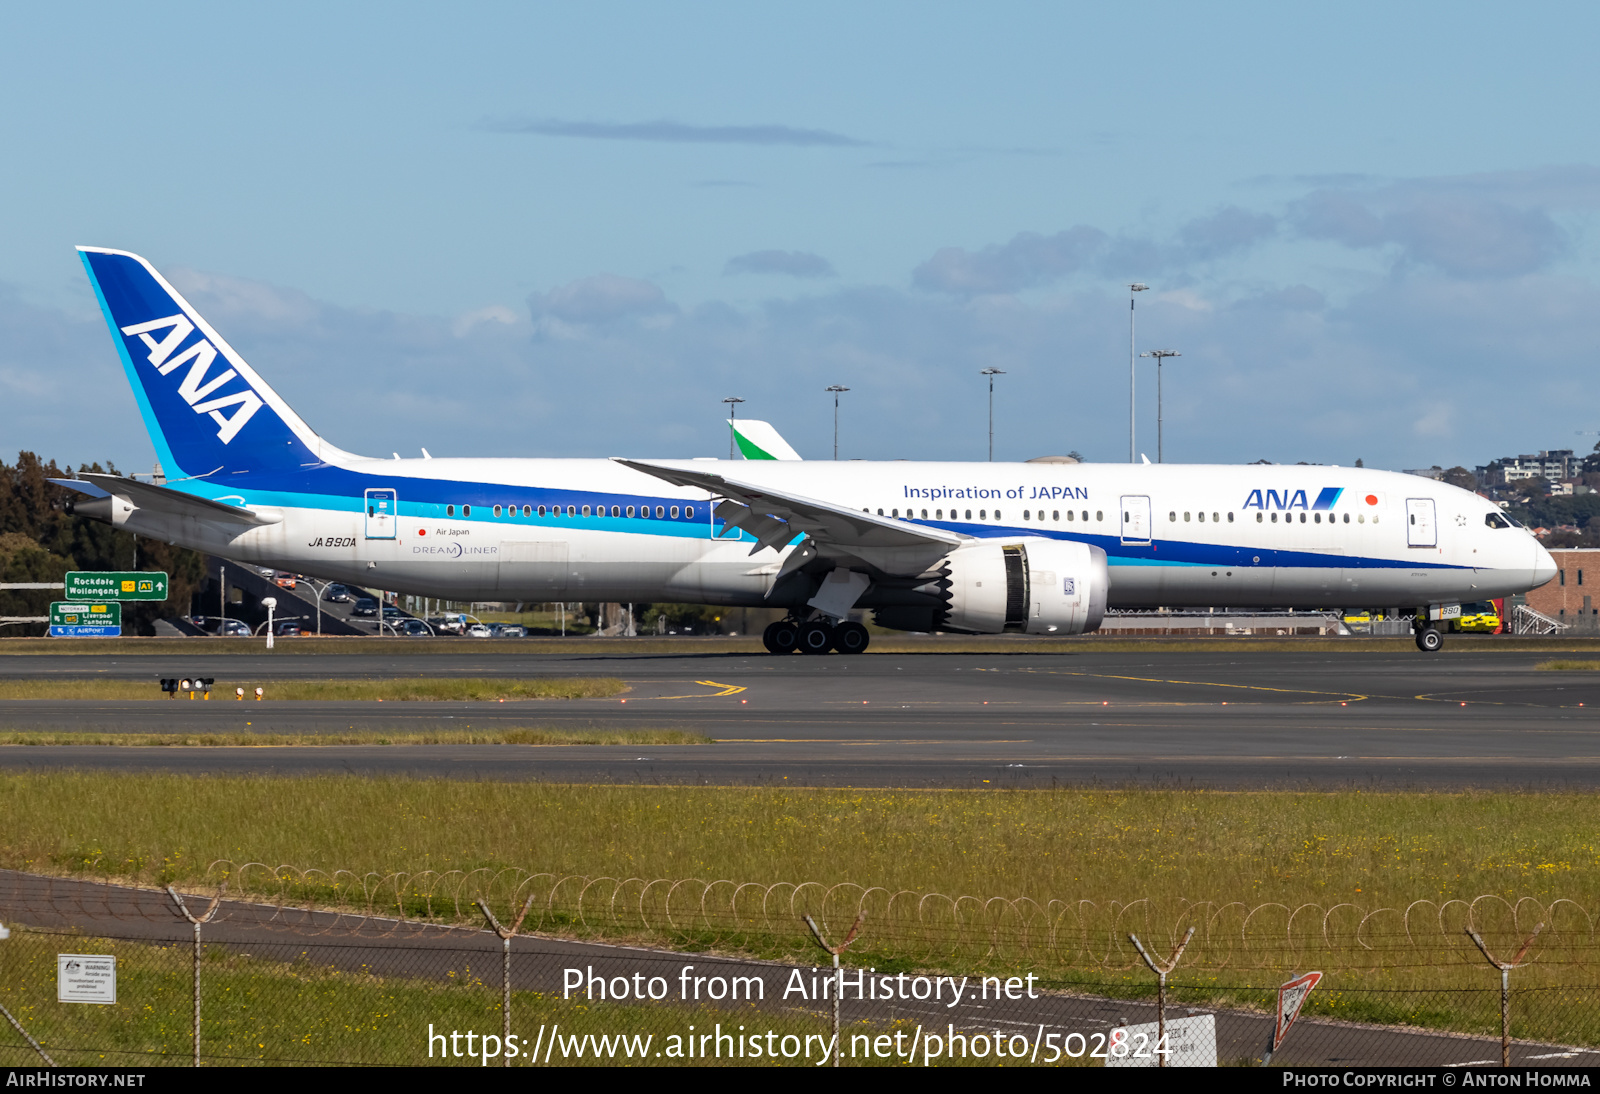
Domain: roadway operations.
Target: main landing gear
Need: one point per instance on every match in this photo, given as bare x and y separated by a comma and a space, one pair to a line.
817, 636
1429, 640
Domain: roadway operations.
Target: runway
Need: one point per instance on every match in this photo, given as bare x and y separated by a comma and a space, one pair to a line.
1199, 715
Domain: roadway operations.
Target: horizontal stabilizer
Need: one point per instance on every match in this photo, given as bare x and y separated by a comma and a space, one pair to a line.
162, 500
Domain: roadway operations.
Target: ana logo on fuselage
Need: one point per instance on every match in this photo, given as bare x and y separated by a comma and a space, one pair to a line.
1293, 499
195, 389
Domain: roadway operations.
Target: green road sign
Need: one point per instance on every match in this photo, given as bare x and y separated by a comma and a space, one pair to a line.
115, 585
66, 613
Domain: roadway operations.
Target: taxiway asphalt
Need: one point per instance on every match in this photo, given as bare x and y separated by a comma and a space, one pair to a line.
1223, 716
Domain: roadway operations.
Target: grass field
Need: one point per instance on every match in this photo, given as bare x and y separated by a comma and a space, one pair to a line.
530, 736
1052, 880
419, 689
1066, 844
1568, 666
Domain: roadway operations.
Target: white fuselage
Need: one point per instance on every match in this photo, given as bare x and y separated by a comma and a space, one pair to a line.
1174, 534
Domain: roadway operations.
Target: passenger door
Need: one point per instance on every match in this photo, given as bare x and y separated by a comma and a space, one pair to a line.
1136, 520
1421, 527
382, 511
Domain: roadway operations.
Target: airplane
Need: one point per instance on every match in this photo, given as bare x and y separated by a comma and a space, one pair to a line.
1040, 548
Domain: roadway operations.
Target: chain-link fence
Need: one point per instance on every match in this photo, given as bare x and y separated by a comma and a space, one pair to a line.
283, 983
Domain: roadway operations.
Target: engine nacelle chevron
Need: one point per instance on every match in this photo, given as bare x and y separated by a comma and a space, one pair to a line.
1031, 585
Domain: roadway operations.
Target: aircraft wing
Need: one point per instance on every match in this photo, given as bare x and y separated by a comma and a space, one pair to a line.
776, 518
160, 499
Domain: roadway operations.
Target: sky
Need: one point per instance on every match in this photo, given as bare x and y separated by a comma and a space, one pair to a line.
573, 230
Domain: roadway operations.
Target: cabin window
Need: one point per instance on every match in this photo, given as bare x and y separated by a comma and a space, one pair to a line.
1186, 516
466, 510
1025, 513
938, 514
1361, 518
1069, 515
1302, 518
674, 512
1202, 517
1274, 518
1055, 514
983, 514
1230, 518
1172, 516
449, 510
969, 515
661, 512
572, 510
924, 514
630, 510
1317, 518
1347, 518
527, 510
497, 510
997, 514
880, 512
585, 510
1098, 514
894, 512
688, 512
541, 510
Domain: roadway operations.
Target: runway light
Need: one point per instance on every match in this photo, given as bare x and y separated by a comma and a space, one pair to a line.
746, 701
1463, 704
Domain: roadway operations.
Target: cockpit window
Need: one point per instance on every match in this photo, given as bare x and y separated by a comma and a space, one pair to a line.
1495, 520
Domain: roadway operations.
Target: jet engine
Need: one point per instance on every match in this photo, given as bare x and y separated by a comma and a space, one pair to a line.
1031, 586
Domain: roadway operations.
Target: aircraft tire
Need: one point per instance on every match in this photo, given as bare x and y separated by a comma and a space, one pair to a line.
781, 637
1429, 640
851, 638
816, 638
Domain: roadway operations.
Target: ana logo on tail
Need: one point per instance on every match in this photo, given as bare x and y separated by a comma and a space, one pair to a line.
195, 387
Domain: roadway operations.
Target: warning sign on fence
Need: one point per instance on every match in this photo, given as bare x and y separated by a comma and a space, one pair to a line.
86, 978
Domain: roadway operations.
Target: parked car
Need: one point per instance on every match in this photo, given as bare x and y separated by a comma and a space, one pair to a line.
365, 605
337, 594
508, 630
288, 630
479, 630
414, 628
233, 628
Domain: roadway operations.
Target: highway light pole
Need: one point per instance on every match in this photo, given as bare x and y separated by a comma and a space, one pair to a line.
733, 402
1133, 289
835, 388
1160, 355
991, 373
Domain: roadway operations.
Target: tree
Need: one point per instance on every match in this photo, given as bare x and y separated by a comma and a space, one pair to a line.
40, 540
1460, 476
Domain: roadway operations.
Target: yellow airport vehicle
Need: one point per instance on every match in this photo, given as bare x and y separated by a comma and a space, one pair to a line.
1479, 617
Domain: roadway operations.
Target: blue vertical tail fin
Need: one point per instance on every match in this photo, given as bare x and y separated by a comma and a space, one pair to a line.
205, 408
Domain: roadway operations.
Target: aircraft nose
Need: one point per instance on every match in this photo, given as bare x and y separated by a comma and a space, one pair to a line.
1544, 566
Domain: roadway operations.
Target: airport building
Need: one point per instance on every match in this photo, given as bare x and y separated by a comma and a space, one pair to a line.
1574, 596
